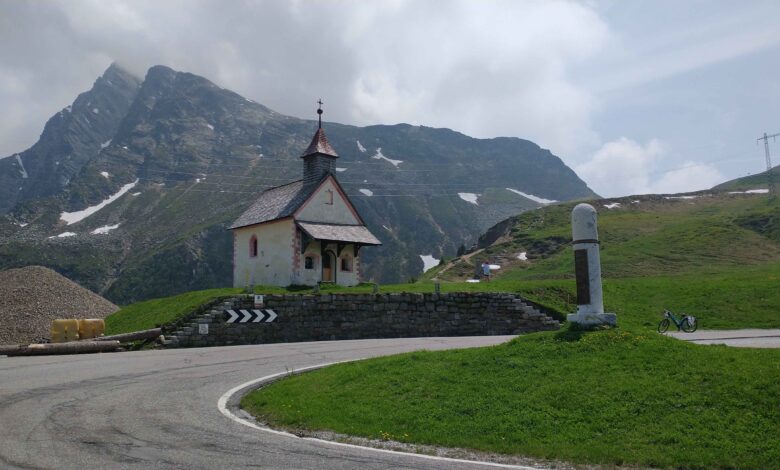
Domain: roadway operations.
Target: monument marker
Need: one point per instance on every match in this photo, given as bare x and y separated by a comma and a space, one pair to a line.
587, 269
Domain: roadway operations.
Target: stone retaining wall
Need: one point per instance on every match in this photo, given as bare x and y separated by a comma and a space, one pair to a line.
362, 316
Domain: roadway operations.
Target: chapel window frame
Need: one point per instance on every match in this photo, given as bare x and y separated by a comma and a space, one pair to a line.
253, 247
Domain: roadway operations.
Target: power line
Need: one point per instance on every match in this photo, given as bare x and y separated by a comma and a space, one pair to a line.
769, 178
192, 188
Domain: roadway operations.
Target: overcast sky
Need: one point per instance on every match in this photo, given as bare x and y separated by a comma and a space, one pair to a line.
635, 96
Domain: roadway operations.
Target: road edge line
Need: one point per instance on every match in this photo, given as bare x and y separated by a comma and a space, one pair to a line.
227, 397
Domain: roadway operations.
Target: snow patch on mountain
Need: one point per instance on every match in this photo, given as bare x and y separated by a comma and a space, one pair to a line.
469, 197
64, 235
378, 156
77, 216
340, 169
104, 174
105, 144
613, 205
751, 191
360, 147
22, 170
429, 262
104, 229
367, 192
538, 199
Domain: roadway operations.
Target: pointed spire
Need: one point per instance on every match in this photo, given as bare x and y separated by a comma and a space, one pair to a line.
319, 113
319, 143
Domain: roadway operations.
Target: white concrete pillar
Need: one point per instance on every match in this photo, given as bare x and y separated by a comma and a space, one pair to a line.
587, 268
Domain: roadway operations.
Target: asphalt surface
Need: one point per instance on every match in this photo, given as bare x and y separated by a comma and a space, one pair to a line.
158, 409
747, 338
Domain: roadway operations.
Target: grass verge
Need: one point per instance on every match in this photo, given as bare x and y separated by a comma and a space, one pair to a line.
606, 397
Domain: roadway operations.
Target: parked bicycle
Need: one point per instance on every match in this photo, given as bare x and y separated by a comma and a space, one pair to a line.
686, 323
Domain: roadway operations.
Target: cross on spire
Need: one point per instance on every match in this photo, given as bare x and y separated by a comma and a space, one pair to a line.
319, 112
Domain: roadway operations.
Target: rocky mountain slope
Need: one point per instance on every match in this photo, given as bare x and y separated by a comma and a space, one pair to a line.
130, 189
69, 140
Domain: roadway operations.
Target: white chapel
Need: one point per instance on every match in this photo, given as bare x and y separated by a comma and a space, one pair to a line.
304, 232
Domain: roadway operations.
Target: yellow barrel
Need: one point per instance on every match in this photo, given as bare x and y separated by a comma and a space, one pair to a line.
91, 328
63, 331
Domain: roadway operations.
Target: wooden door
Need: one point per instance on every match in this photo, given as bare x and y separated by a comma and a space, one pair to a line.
327, 268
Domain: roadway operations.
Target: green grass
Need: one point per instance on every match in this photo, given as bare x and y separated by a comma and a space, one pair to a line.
157, 312
617, 397
745, 297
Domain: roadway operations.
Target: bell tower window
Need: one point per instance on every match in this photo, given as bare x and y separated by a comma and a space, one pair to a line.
253, 247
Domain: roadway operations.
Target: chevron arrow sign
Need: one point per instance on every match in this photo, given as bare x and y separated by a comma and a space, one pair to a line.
250, 316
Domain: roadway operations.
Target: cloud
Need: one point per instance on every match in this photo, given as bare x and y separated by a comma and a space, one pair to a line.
660, 43
623, 167
487, 68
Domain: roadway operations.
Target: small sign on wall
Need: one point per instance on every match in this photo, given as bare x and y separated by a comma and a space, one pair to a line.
259, 301
203, 328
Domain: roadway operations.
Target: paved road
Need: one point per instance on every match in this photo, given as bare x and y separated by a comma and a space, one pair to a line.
748, 338
158, 409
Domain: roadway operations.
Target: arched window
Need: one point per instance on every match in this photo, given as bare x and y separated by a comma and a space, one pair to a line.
253, 246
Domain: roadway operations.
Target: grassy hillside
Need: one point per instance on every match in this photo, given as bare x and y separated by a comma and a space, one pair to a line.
642, 236
757, 181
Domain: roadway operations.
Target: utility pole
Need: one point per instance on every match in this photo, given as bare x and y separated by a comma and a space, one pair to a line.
769, 178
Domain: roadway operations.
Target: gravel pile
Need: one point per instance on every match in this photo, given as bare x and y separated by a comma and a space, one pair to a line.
31, 297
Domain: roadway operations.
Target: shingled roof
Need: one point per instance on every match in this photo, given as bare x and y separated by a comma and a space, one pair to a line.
276, 203
339, 233
319, 144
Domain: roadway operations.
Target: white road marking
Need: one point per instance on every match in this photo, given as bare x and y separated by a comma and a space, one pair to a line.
223, 401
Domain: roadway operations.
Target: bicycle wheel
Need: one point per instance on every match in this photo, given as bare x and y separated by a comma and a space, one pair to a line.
690, 324
663, 326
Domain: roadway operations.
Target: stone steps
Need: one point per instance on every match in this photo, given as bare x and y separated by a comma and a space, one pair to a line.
186, 331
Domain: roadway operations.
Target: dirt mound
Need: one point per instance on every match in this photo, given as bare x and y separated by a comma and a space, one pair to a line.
31, 297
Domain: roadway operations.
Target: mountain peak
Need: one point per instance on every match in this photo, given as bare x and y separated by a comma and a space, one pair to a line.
116, 70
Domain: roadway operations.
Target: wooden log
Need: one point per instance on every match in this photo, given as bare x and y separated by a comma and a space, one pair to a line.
74, 347
9, 348
134, 336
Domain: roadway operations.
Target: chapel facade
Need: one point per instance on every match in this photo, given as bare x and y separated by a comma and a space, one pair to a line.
304, 232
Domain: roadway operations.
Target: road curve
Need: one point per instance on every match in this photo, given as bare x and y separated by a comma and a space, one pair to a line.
158, 409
